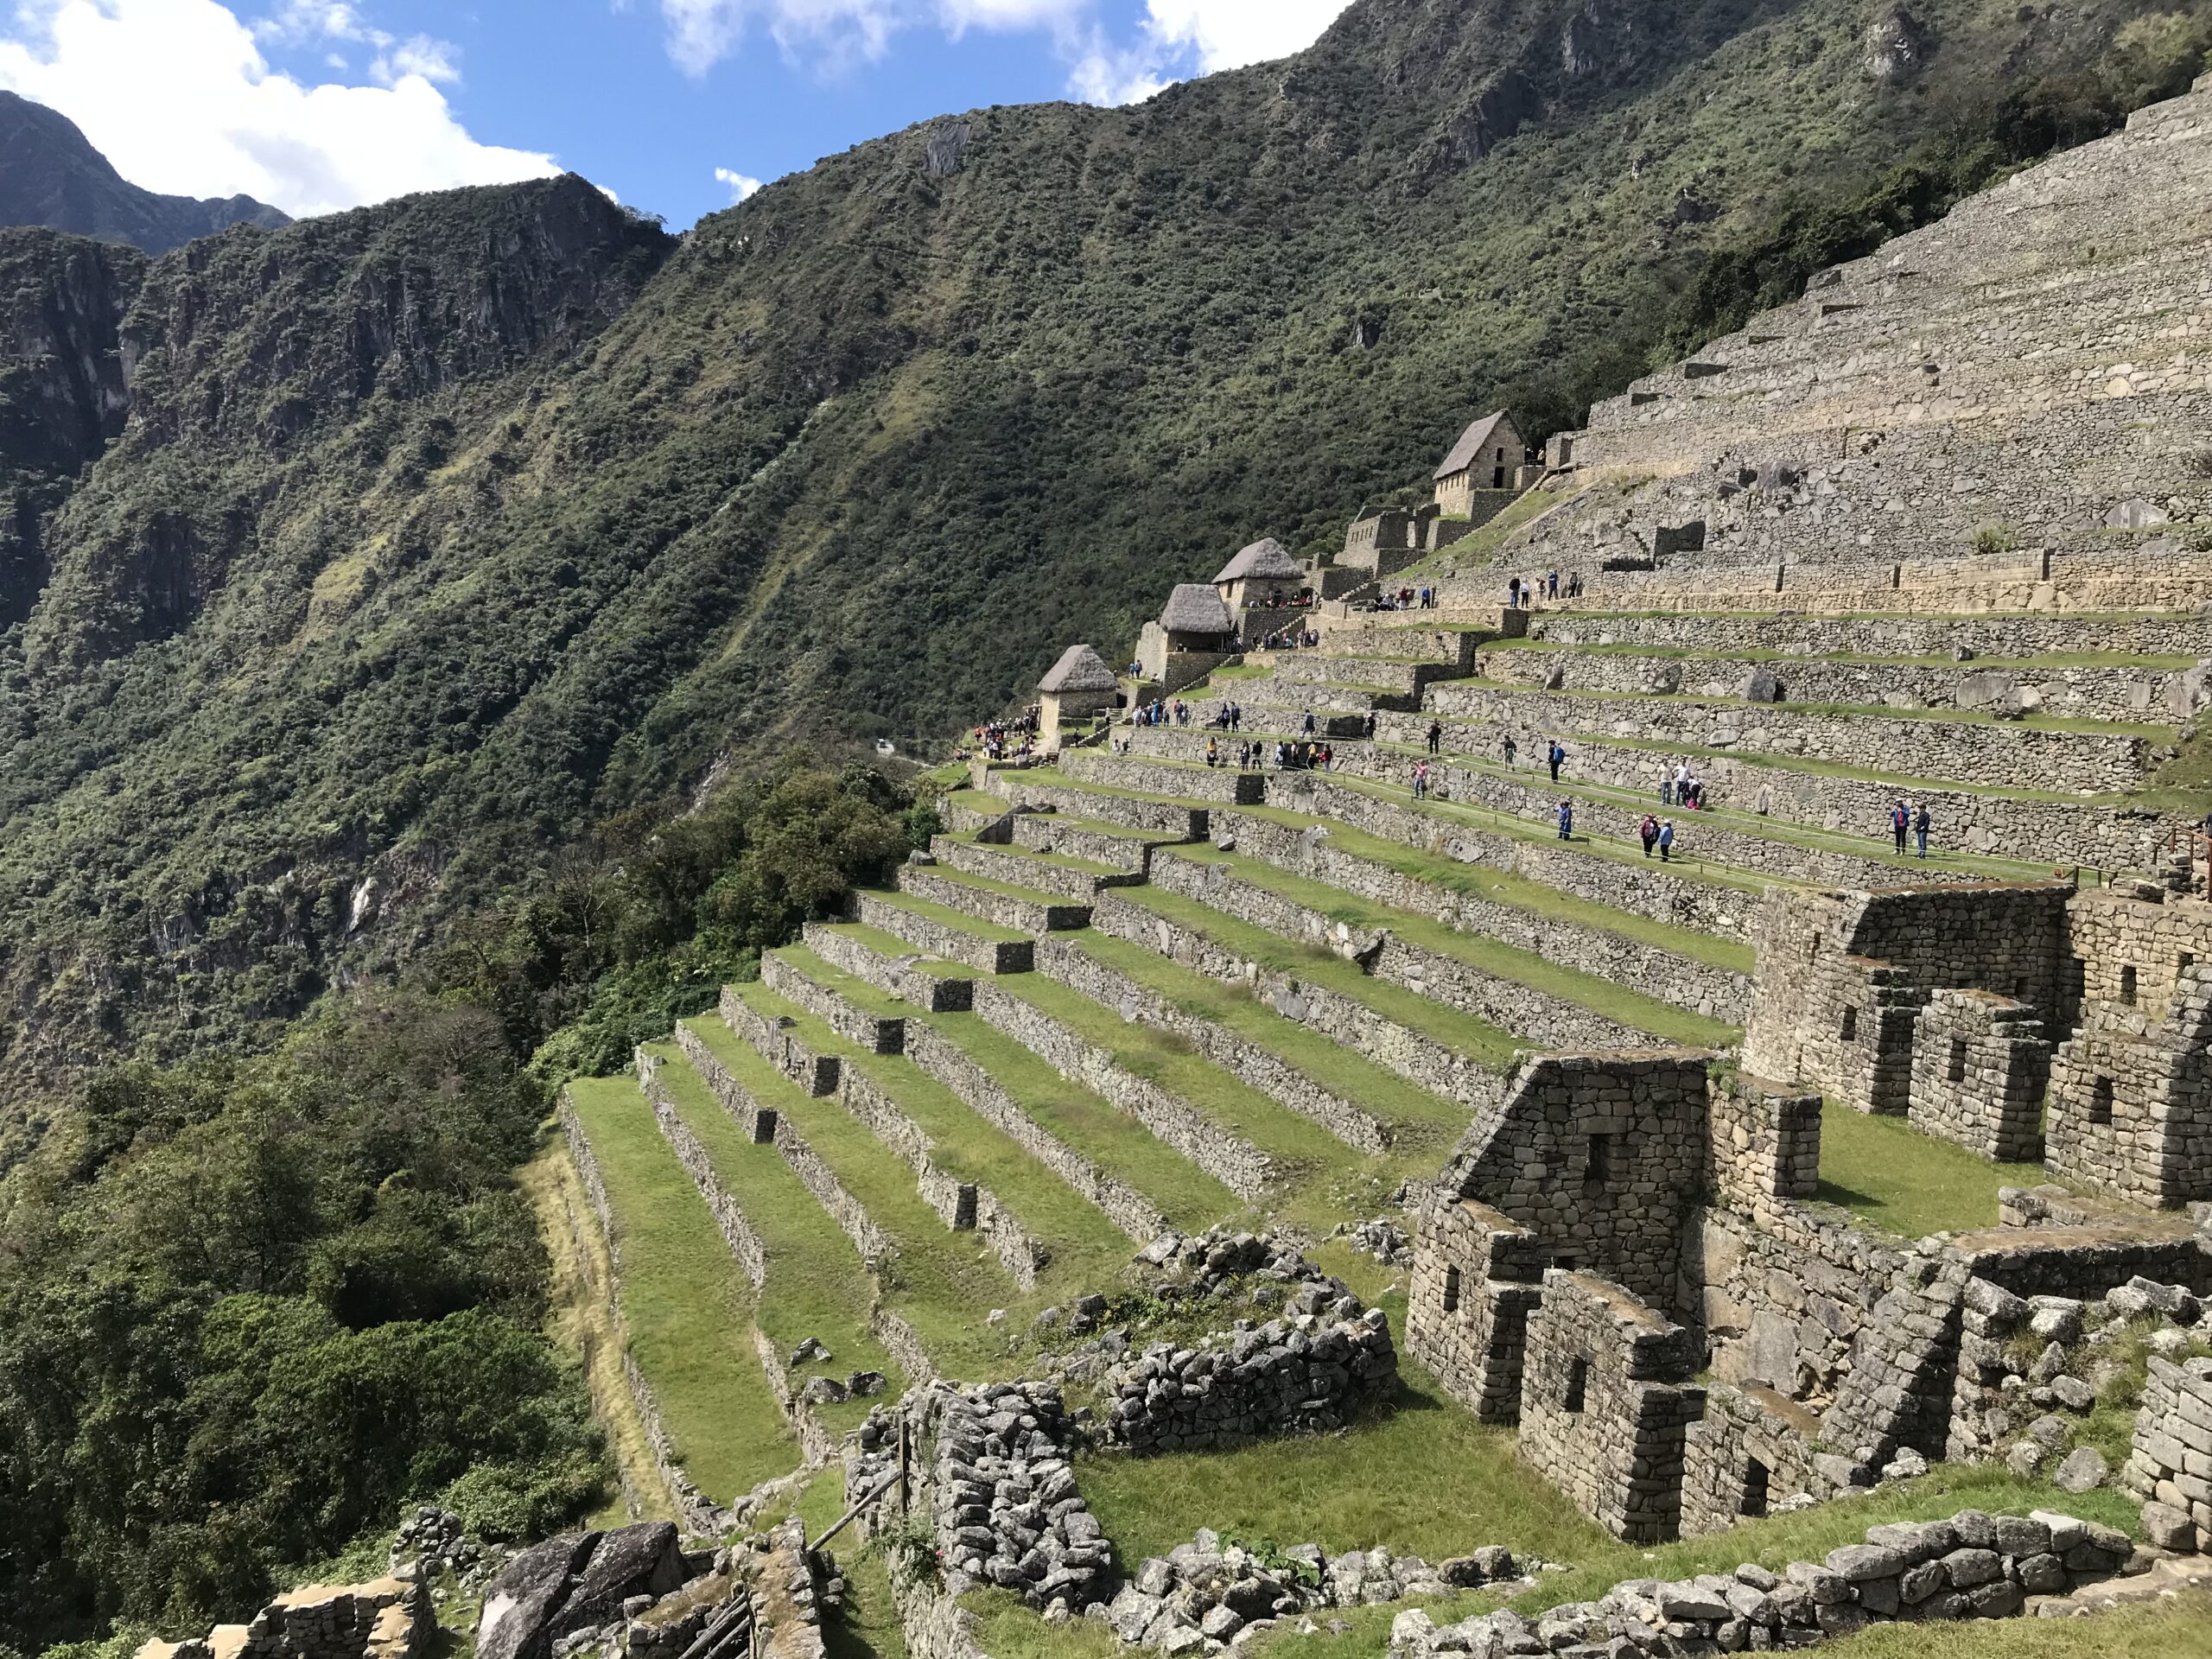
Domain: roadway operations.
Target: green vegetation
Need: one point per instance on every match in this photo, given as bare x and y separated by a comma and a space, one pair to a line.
1896, 1178
221, 1285
687, 1306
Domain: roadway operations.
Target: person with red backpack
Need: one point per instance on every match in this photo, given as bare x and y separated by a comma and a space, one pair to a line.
1900, 821
1650, 831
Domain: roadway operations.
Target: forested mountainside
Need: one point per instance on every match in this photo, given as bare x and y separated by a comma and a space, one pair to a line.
51, 176
441, 529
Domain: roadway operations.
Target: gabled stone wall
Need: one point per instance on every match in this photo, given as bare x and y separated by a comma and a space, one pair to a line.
1606, 1400
1980, 1063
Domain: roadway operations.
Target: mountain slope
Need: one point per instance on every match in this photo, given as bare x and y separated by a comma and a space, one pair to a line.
433, 538
50, 174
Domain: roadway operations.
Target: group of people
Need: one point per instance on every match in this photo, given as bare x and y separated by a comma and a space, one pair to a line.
1680, 787
1300, 755
1660, 833
1918, 823
1555, 751
1157, 713
1407, 599
1521, 592
1011, 738
1228, 717
1294, 637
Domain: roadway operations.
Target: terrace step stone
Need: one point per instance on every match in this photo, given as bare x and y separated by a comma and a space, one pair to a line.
938, 939
1030, 913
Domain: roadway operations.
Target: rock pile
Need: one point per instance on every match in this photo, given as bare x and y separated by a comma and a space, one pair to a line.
1302, 1374
1004, 1498
432, 1542
382, 1619
1379, 1237
1218, 1262
1973, 1565
1208, 1591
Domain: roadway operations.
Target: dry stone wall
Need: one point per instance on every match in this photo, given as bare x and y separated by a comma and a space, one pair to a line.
1025, 792
939, 940
1229, 1159
1510, 1006
1980, 1063
2005, 637
1684, 981
1248, 1062
1000, 909
2170, 1464
1311, 1373
1394, 1047
1220, 786
901, 976
2005, 753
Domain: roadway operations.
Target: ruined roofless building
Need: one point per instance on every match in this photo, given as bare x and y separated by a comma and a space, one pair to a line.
1076, 686
1483, 471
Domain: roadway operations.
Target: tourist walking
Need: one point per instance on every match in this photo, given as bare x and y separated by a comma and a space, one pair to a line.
1511, 749
1420, 781
1555, 755
1650, 831
1922, 822
1900, 821
1309, 722
1213, 751
1567, 820
1435, 736
1367, 726
1667, 841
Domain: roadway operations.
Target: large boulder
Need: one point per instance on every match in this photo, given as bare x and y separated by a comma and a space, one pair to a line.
1763, 685
572, 1582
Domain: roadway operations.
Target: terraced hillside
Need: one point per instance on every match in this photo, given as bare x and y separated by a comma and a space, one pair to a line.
1334, 952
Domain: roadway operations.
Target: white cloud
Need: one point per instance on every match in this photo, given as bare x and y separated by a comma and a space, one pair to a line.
834, 34
1230, 33
1105, 73
178, 95
741, 185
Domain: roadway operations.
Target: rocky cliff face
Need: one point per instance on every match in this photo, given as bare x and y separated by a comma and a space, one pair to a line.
62, 397
50, 175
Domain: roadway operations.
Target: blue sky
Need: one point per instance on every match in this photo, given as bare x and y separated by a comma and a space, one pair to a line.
677, 106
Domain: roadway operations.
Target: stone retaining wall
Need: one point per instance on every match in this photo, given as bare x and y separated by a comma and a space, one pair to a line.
1302, 1376
1037, 875
729, 1221
2169, 1466
1522, 1010
1222, 786
877, 1033
1657, 892
1999, 752
700, 1512
1000, 909
1421, 1061
1128, 1210
1050, 832
1025, 790
953, 944
1247, 1062
932, 993
2001, 637
1687, 983
1235, 1162
2128, 695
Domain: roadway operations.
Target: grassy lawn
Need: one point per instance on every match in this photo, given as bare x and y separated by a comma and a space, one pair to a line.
1117, 1143
1423, 1477
1086, 1248
1426, 1118
1484, 955
816, 1284
688, 1306
1462, 1034
941, 1281
1885, 1171
1300, 1149
944, 916
1497, 887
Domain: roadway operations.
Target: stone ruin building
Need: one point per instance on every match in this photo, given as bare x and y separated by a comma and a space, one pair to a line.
1075, 690
1194, 633
1485, 471
1261, 575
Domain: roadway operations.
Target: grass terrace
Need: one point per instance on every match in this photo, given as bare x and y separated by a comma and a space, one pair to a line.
945, 916
688, 1306
1672, 1024
1890, 1175
1761, 654
816, 1284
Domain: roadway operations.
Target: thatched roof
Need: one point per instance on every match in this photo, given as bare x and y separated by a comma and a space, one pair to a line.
1472, 443
1194, 608
1265, 558
1080, 669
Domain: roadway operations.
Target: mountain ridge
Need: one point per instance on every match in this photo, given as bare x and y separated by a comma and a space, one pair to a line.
50, 174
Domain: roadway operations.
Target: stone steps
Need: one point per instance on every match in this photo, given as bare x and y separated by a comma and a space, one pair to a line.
1518, 992
942, 932
995, 902
1073, 879
2001, 753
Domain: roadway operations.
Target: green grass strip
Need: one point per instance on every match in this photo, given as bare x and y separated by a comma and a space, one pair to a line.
688, 1306
945, 916
1486, 955
1906, 1181
1086, 1248
942, 1282
1057, 860
1461, 1034
1003, 889
1349, 1076
890, 945
817, 1284
1857, 659
1498, 887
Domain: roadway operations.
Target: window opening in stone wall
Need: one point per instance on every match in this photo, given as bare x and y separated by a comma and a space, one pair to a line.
1578, 1383
2127, 986
1451, 1290
1850, 1024
1956, 1071
2020, 989
2187, 961
1596, 1159
1754, 1485
2100, 1100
